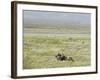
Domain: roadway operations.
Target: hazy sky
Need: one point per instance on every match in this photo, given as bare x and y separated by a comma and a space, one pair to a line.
56, 18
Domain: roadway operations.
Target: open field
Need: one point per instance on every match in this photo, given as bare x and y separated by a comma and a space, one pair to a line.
57, 29
40, 50
47, 33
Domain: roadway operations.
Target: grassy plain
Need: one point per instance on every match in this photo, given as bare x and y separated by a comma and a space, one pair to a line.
40, 50
45, 33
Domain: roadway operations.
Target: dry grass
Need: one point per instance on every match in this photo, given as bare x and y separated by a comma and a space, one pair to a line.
40, 50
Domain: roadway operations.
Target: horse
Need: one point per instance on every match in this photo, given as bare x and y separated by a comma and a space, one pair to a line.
62, 57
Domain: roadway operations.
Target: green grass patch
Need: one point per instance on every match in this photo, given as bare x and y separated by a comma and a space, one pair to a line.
40, 50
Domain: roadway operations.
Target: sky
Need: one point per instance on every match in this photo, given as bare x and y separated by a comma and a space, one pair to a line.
53, 18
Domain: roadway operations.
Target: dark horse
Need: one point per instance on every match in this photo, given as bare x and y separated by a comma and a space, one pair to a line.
62, 57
